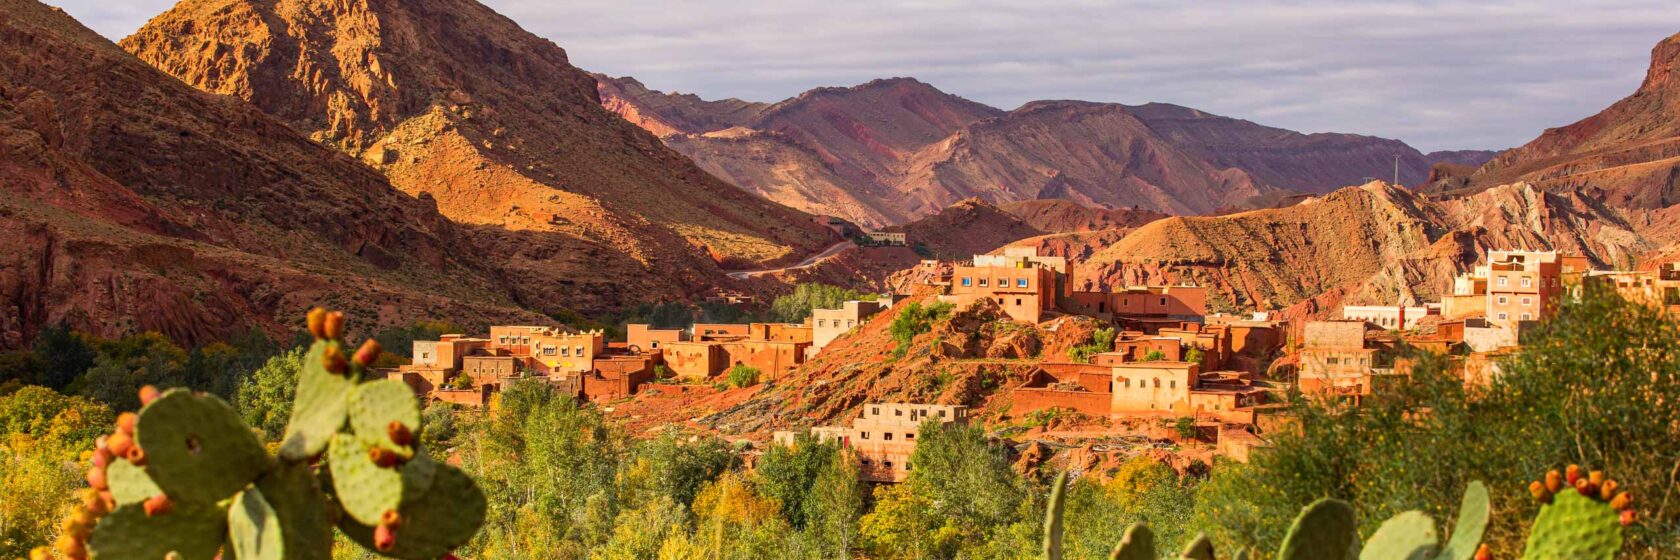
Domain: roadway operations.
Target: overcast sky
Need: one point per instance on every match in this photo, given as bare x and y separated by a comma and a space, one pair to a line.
1439, 75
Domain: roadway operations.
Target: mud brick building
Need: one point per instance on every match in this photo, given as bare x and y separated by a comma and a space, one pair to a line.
884, 436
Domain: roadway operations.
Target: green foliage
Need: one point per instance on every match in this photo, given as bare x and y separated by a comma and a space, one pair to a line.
1154, 356
400, 340
126, 364
64, 356
797, 306
1185, 426
1102, 340
786, 474
743, 376
1194, 355
914, 320
265, 398
40, 432
661, 372
963, 493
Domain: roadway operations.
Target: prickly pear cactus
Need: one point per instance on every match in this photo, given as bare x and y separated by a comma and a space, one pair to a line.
186, 479
1324, 530
1137, 544
1582, 520
1053, 518
1408, 536
1471, 525
1199, 549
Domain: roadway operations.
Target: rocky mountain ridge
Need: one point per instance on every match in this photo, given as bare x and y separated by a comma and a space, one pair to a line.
893, 150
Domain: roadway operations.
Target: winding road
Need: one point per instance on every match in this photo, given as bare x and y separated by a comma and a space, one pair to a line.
819, 258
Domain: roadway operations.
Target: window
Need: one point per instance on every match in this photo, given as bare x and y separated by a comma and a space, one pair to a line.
1502, 280
1364, 361
887, 464
984, 282
909, 435
579, 352
875, 410
1528, 301
898, 413
850, 322
1526, 282
1163, 301
1017, 301
563, 352
425, 354
967, 282
822, 323
1504, 300
1128, 383
886, 436
1021, 282
1172, 384
1527, 317
1157, 383
942, 414
864, 435
1504, 316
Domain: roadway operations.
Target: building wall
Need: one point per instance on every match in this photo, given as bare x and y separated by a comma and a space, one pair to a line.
1389, 317
489, 370
772, 358
566, 353
829, 324
1026, 400
1454, 307
1153, 387
884, 436
1522, 286
647, 339
714, 331
1140, 301
780, 332
1024, 293
694, 360
1336, 369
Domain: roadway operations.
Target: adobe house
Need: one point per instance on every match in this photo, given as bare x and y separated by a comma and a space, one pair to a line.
779, 332
719, 331
829, 324
1335, 358
1180, 303
1086, 388
644, 338
884, 436
1390, 317
1025, 287
694, 360
888, 238
1153, 387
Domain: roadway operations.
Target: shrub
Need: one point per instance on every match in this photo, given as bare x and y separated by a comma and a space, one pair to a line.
743, 376
662, 372
1154, 356
1102, 340
797, 306
914, 320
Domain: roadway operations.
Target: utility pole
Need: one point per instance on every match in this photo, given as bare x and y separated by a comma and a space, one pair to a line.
1396, 170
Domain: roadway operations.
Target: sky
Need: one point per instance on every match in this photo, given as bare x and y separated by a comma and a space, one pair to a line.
1438, 74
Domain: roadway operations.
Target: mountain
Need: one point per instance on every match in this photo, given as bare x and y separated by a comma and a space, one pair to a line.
1629, 153
453, 102
132, 202
976, 227
1373, 244
890, 151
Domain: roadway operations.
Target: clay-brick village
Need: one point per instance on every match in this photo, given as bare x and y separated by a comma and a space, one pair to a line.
741, 280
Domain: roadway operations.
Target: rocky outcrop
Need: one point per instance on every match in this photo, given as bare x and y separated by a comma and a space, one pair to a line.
131, 202
451, 101
1374, 244
1628, 154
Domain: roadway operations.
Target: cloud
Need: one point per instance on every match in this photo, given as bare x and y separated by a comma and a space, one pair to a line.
1438, 74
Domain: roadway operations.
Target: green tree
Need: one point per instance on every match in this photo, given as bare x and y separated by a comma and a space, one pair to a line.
265, 398
787, 474
968, 483
42, 437
126, 364
797, 306
914, 320
64, 354
833, 506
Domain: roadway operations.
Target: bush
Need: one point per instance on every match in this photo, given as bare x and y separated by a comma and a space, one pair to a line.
1154, 356
914, 320
662, 372
797, 306
743, 376
1186, 427
1102, 340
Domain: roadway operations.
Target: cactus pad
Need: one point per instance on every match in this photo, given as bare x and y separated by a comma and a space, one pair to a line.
1137, 544
297, 501
1472, 523
1408, 536
193, 530
197, 448
254, 529
373, 406
368, 490
129, 484
445, 518
320, 407
1576, 527
1053, 518
1199, 549
1324, 531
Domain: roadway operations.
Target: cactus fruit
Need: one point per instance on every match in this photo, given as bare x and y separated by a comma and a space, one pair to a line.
367, 353
185, 477
1572, 473
1053, 518
1483, 553
1582, 524
1554, 481
1137, 544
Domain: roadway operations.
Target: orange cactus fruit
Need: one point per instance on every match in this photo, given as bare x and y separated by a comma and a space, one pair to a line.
391, 519
1597, 477
93, 503
317, 320
40, 553
119, 444
101, 457
96, 478
136, 456
71, 547
1554, 481
1607, 490
399, 433
1622, 500
148, 394
1586, 488
1628, 517
126, 422
1482, 553
384, 538
384, 458
1539, 491
368, 352
334, 325
334, 361
158, 505
1572, 474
